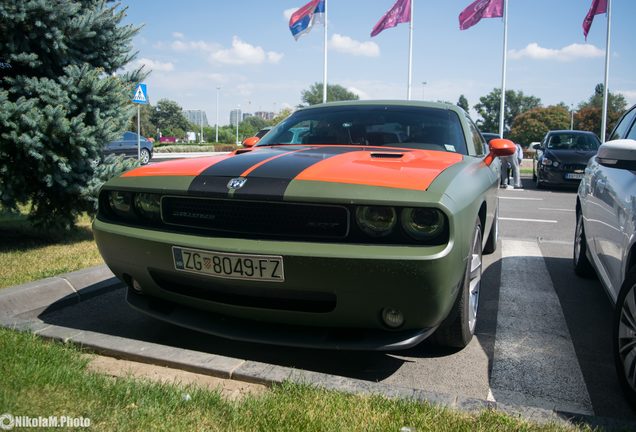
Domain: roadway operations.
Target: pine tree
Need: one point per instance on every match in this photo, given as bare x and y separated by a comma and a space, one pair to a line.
60, 101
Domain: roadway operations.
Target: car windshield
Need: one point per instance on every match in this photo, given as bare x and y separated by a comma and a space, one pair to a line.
573, 141
376, 125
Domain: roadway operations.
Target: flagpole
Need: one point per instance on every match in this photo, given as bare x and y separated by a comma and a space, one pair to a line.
410, 73
607, 63
503, 72
324, 71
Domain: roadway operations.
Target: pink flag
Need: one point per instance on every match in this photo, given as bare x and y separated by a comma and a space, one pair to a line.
598, 7
480, 9
399, 13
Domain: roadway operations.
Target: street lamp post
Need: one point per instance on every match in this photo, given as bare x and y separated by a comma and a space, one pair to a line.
423, 84
201, 124
217, 114
238, 114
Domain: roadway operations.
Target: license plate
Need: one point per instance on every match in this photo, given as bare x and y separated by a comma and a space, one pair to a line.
229, 266
574, 176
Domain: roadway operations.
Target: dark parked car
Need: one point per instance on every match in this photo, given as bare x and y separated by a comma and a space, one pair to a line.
128, 146
605, 238
562, 156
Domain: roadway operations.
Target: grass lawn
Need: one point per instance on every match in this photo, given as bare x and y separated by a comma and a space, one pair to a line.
41, 378
26, 256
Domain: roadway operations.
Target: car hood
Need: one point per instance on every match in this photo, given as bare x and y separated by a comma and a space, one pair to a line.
570, 156
268, 171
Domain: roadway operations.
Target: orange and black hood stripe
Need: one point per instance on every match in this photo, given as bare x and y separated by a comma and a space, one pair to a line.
269, 171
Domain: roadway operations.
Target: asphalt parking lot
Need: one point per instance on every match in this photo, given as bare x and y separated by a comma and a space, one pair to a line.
543, 339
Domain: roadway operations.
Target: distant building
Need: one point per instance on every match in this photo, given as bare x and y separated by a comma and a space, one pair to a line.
265, 115
246, 115
235, 114
196, 116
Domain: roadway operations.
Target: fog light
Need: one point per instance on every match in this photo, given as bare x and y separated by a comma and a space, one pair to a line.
392, 317
137, 287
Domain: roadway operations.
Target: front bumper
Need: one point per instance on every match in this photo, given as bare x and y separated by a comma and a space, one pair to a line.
555, 176
332, 297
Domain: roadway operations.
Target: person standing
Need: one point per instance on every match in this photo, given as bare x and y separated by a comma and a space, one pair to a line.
517, 158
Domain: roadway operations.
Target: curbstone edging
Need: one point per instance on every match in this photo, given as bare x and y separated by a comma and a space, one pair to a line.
20, 306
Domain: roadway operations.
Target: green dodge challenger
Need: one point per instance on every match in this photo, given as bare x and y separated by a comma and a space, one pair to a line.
350, 225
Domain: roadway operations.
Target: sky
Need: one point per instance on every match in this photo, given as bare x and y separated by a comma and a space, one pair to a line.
245, 48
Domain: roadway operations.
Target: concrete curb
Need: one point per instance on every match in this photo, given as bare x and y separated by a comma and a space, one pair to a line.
20, 306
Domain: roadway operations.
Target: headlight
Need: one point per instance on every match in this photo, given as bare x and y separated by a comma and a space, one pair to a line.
120, 203
376, 221
423, 223
546, 161
148, 205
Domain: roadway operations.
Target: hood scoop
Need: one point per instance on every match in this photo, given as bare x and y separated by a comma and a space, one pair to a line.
378, 155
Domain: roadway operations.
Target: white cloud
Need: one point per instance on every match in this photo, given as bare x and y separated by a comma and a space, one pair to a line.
569, 53
244, 53
178, 35
630, 95
181, 46
154, 65
347, 45
287, 13
361, 94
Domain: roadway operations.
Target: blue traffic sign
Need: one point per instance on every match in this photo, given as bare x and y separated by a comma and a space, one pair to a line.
141, 94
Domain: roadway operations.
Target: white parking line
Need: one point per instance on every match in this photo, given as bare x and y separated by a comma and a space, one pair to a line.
520, 198
556, 209
534, 363
527, 220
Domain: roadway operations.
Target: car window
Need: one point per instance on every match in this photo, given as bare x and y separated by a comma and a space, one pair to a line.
622, 129
130, 136
573, 141
375, 125
478, 139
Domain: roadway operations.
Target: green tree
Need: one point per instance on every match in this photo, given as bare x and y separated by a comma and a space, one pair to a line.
282, 115
489, 106
148, 129
463, 103
60, 102
589, 114
532, 125
335, 92
168, 117
251, 125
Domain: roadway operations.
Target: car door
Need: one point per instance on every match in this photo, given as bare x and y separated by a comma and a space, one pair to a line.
613, 189
129, 147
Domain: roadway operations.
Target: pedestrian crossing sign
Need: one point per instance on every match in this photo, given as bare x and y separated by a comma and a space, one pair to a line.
141, 94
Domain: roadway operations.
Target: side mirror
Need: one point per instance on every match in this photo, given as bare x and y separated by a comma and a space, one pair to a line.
250, 142
537, 146
619, 154
500, 147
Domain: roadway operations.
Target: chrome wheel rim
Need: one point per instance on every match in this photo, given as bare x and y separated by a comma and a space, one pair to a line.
577, 238
627, 336
145, 157
474, 283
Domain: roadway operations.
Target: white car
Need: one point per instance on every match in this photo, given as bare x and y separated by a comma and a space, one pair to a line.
605, 238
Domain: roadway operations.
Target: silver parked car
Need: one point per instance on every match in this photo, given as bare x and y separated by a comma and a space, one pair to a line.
605, 238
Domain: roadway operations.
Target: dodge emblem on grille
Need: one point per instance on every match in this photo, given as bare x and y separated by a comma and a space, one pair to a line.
236, 183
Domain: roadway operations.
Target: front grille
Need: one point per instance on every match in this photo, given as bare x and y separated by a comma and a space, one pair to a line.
257, 218
573, 167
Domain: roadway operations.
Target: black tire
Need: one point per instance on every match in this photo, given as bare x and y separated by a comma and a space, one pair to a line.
582, 265
534, 176
537, 181
493, 237
458, 328
624, 336
144, 156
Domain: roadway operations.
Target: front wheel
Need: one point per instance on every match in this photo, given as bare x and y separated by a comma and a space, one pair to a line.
144, 156
537, 181
458, 328
582, 265
625, 337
